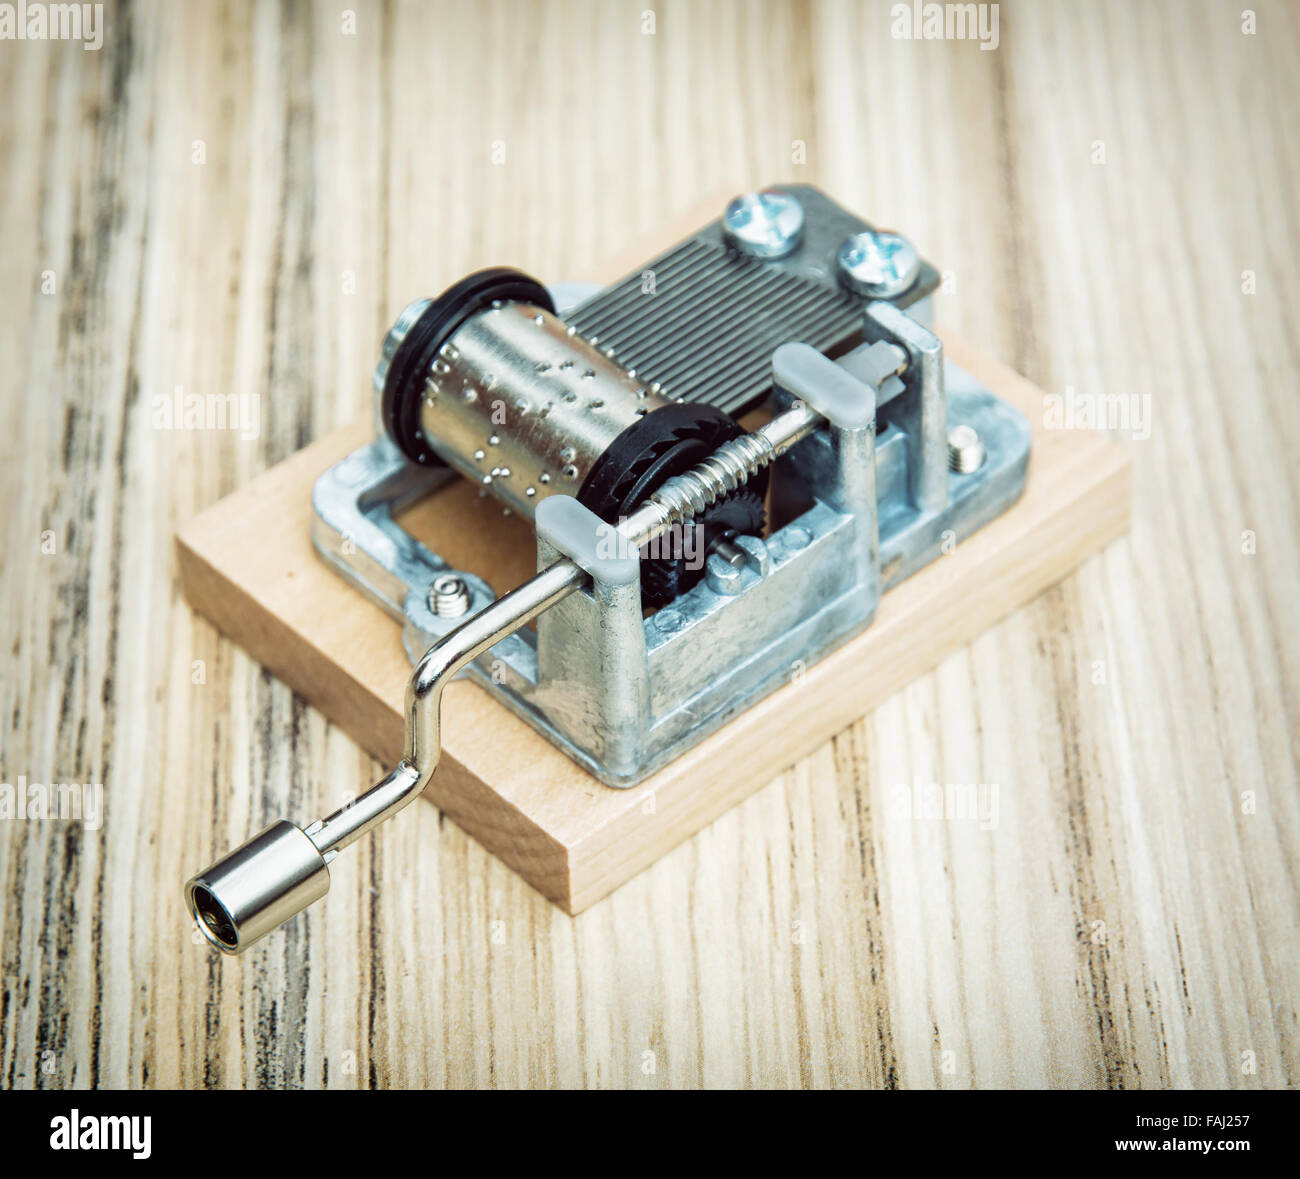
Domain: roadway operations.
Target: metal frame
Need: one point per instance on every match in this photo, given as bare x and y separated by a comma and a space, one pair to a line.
881, 460
856, 512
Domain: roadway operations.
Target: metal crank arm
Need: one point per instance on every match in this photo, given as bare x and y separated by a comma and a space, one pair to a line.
284, 868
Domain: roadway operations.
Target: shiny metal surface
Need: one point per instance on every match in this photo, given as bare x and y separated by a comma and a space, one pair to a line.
878, 263
703, 318
523, 406
921, 410
766, 224
258, 886
554, 686
965, 449
449, 596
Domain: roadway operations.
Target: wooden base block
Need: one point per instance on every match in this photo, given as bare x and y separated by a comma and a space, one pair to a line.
247, 564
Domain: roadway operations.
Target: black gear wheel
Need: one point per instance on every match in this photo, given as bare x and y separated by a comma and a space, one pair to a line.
667, 442
740, 514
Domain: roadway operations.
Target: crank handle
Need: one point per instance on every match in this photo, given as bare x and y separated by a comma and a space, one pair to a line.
282, 870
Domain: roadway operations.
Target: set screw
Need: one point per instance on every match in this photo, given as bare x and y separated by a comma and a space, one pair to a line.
448, 596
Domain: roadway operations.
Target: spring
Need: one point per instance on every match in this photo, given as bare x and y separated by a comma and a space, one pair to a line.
689, 494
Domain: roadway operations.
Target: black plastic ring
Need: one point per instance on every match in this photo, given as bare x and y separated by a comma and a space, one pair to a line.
631, 466
671, 439
404, 384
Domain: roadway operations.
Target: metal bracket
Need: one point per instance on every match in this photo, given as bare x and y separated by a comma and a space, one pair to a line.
855, 510
880, 461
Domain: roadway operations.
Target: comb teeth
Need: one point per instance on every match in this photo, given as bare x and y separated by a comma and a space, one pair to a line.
708, 331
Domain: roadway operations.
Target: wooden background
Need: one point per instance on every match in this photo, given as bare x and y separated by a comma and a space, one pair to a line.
239, 199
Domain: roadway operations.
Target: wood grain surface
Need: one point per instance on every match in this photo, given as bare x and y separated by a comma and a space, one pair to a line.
232, 198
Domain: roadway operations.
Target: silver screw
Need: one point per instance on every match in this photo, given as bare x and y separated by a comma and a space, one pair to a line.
765, 224
878, 263
727, 560
448, 596
724, 567
965, 449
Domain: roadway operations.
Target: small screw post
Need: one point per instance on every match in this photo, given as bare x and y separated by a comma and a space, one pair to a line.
448, 596
965, 449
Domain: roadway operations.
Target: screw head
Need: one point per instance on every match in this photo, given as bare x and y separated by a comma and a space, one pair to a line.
765, 224
448, 596
878, 263
965, 449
